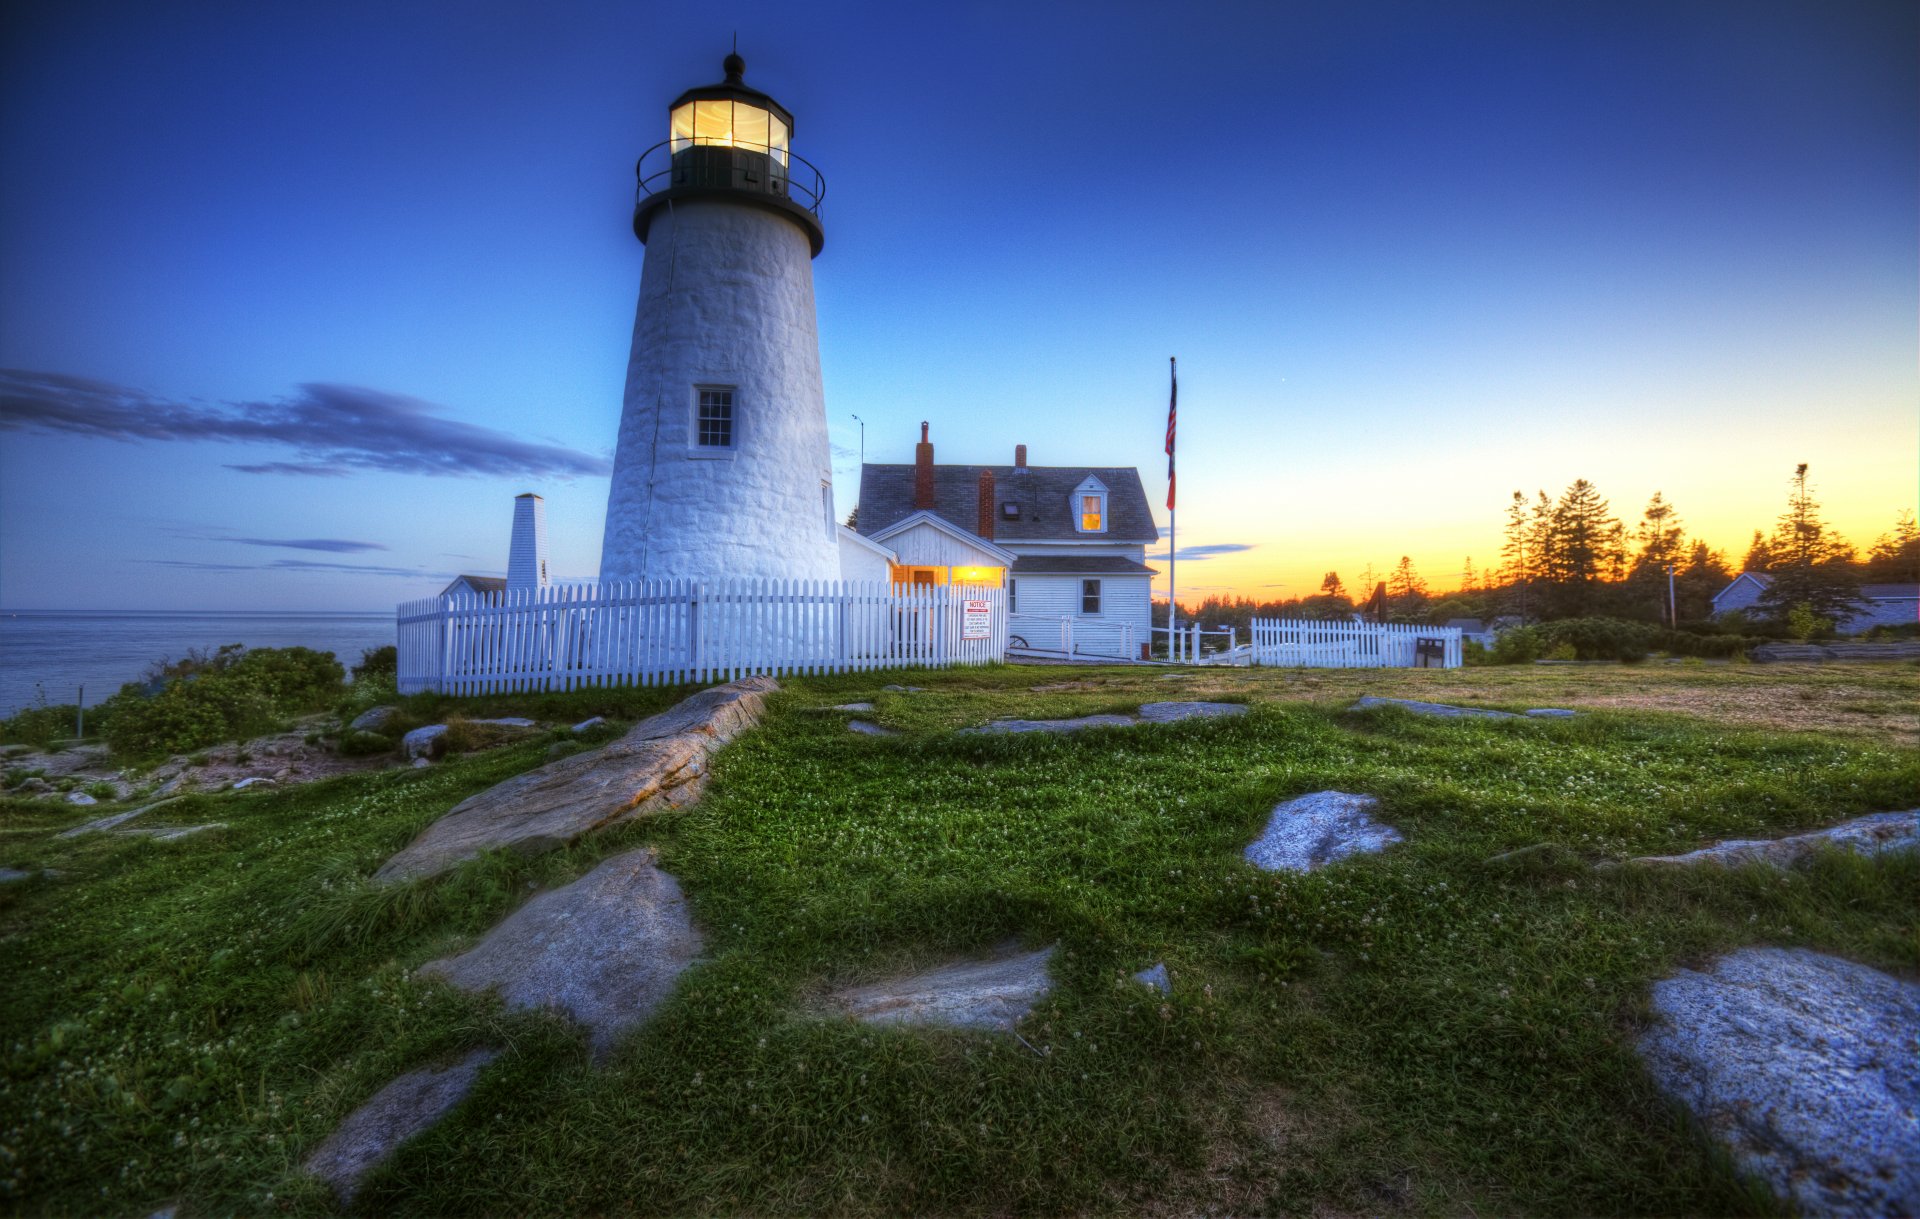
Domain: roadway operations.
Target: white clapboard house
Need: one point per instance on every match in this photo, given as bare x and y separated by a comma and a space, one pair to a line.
1068, 543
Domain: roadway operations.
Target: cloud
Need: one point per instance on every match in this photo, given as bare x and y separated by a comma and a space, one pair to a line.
331, 429
330, 545
361, 569
1196, 553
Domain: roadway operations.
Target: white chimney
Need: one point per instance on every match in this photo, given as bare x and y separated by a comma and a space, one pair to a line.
527, 557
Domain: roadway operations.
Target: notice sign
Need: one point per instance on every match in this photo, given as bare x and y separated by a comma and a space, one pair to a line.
975, 618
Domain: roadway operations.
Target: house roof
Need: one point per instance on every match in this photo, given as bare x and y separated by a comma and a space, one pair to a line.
1043, 494
934, 520
479, 584
1078, 565
1472, 626
1872, 592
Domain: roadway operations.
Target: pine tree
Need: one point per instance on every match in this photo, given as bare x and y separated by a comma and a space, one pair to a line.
1331, 586
1812, 567
1759, 555
1586, 549
1895, 556
1518, 559
1406, 591
1466, 575
1661, 543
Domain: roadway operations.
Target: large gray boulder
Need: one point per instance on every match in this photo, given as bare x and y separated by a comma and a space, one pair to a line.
1314, 830
374, 720
661, 763
605, 950
993, 994
393, 1115
1806, 1067
1872, 835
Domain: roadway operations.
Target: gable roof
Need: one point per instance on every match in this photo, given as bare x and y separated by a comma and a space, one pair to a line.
1078, 565
1870, 592
479, 584
933, 520
1043, 493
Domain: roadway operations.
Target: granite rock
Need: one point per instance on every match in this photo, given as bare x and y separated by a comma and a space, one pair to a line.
866, 729
1078, 724
1805, 1067
107, 823
1168, 713
1871, 835
394, 1114
424, 744
80, 798
1317, 829
659, 764
374, 720
993, 993
605, 950
1442, 710
1156, 978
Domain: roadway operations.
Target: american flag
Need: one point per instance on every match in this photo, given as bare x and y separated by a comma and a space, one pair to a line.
1173, 409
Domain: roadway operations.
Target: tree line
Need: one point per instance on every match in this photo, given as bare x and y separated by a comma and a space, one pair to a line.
1572, 557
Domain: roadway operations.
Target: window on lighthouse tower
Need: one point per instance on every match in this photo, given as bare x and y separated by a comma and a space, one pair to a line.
713, 422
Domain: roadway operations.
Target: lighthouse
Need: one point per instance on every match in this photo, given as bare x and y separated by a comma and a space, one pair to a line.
722, 468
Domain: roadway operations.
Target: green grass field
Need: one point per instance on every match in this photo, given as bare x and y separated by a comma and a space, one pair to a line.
1408, 1032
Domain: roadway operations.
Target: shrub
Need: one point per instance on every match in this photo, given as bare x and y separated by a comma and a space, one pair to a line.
231, 695
366, 744
1519, 645
41, 725
377, 662
1900, 630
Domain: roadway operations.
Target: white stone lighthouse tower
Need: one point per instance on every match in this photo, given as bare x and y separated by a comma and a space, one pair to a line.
722, 469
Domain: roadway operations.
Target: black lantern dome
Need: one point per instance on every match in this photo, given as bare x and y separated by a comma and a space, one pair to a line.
729, 141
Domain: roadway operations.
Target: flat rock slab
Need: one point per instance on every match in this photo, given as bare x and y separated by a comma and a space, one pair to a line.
993, 994
998, 727
1150, 713
852, 707
393, 1115
170, 833
605, 950
1872, 835
106, 823
661, 763
1436, 709
865, 729
1167, 713
10, 875
1314, 830
1806, 1067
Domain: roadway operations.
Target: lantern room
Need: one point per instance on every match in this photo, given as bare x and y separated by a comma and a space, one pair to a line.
730, 141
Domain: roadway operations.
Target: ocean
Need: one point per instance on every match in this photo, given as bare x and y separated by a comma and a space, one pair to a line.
52, 654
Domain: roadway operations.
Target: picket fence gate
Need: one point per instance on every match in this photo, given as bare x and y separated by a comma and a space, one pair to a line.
1352, 645
668, 632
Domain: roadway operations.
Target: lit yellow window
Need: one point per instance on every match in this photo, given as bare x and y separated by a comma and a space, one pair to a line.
1090, 514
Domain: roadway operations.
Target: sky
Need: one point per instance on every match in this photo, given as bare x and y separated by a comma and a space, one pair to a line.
294, 299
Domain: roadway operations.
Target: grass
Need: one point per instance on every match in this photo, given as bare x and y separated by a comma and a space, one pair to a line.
1417, 1031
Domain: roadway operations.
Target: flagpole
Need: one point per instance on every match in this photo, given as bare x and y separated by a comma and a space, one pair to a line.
1173, 538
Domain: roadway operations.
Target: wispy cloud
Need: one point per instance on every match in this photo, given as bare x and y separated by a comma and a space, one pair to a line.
330, 545
1196, 553
331, 429
360, 569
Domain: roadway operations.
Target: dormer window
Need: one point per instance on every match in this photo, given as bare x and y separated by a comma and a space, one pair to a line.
1090, 506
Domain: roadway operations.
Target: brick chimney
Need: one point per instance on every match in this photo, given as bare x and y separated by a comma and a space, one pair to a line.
923, 470
1019, 459
986, 505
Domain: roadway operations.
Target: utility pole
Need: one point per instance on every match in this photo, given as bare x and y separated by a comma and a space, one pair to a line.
1673, 610
863, 438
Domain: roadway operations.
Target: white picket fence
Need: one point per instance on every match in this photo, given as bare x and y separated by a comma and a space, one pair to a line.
666, 632
1352, 645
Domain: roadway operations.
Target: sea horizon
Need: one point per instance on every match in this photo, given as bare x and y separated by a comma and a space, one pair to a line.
48, 657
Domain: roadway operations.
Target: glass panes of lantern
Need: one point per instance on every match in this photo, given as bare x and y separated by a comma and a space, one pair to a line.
729, 124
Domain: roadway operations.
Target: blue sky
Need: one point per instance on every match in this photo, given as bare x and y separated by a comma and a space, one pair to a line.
1411, 257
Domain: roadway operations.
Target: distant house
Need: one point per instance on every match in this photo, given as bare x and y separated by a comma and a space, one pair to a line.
1473, 630
1067, 542
475, 586
1884, 604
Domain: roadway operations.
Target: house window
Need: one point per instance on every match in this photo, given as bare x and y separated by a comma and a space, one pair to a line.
1089, 506
1089, 596
713, 422
1013, 595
